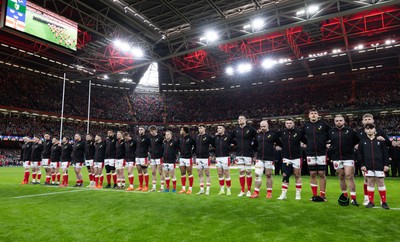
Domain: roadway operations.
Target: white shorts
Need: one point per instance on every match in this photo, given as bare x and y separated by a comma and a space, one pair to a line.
379, 174
223, 162
168, 167
54, 165
110, 162
185, 162
155, 162
78, 164
142, 161
64, 164
98, 164
120, 164
27, 164
244, 160
130, 164
45, 163
316, 160
296, 163
340, 164
35, 164
263, 164
89, 162
202, 163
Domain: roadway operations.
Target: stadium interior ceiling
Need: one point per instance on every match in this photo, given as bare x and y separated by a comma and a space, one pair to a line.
293, 40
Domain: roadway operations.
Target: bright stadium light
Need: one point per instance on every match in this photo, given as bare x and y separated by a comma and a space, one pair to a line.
211, 36
244, 68
124, 46
137, 52
117, 43
359, 47
229, 71
257, 23
268, 63
301, 12
389, 41
312, 9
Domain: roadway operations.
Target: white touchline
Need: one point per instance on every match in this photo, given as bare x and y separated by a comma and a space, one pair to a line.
47, 194
389, 209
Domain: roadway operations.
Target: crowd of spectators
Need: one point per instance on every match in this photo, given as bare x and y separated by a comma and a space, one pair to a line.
24, 91
9, 157
364, 91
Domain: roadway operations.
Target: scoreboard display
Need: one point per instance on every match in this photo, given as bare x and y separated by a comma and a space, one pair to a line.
29, 18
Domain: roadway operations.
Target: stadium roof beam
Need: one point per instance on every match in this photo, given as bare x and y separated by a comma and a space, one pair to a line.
288, 35
176, 11
346, 40
299, 22
216, 8
148, 31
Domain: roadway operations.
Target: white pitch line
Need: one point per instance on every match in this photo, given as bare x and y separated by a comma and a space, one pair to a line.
47, 194
389, 209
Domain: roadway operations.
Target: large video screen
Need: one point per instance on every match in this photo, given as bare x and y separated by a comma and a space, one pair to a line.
29, 18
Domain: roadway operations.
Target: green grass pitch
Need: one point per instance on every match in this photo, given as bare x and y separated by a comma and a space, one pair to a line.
80, 214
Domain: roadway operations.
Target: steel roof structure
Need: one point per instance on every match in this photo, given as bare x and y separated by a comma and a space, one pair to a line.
339, 37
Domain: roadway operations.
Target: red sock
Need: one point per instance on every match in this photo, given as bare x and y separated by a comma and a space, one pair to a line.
26, 176
371, 196
96, 180
58, 177
365, 189
91, 177
256, 191
140, 180
174, 184
353, 195
183, 180
382, 193
167, 181
322, 193
314, 189
33, 175
115, 178
228, 182
66, 183
249, 181
39, 175
221, 182
191, 180
345, 194
48, 179
101, 180
146, 179
53, 177
130, 178
241, 180
108, 178
298, 185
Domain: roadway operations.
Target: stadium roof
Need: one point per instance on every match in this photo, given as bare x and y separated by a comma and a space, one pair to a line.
299, 39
